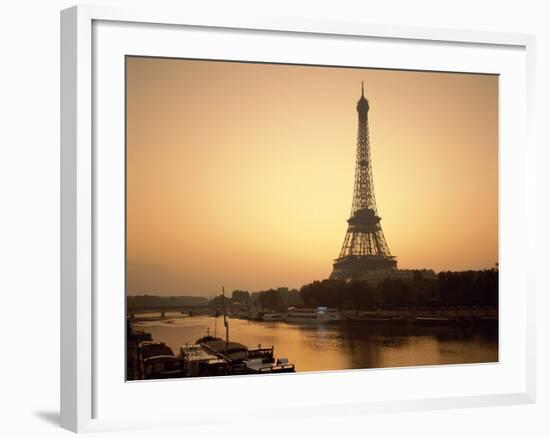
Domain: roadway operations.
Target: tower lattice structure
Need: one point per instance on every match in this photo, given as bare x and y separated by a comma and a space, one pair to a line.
364, 249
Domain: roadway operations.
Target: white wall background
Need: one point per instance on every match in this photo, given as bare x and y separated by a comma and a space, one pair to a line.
29, 213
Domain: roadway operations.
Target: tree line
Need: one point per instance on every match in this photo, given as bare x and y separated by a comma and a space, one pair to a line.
236, 297
279, 298
448, 288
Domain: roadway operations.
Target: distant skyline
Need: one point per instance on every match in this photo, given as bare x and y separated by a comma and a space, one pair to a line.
241, 174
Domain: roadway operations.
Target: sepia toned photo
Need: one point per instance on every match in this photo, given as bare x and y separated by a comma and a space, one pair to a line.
295, 218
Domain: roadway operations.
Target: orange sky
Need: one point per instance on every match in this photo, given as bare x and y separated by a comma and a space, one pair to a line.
242, 174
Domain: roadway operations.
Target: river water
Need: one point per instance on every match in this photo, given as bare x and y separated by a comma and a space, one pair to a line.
339, 346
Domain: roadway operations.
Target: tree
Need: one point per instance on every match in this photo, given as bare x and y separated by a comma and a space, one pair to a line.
240, 296
270, 299
220, 300
359, 294
395, 292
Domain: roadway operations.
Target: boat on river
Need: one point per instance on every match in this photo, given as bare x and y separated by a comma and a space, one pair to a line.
317, 315
364, 318
245, 360
197, 362
263, 366
434, 320
158, 361
240, 358
273, 317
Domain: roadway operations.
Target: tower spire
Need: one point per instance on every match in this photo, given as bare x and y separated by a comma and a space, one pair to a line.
364, 249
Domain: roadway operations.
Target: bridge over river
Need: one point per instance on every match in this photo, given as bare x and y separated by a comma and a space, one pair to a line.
201, 309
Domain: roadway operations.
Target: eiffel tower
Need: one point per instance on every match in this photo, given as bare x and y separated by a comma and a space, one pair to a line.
364, 250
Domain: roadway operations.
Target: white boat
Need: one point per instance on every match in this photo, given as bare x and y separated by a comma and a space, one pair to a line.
272, 317
314, 316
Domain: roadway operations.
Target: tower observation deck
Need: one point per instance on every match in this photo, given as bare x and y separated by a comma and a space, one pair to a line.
364, 251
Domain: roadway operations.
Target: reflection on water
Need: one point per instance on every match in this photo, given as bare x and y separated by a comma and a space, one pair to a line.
340, 346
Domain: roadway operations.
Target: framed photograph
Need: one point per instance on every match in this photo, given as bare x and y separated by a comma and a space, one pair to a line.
321, 215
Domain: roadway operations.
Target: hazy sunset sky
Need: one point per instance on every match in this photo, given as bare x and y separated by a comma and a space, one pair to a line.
242, 174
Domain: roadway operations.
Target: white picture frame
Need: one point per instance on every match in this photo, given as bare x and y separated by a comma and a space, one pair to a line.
89, 399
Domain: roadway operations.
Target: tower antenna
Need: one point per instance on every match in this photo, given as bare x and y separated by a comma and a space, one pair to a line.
225, 323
